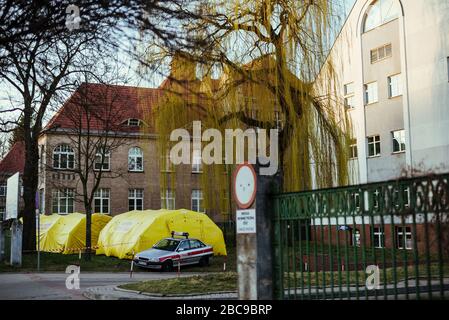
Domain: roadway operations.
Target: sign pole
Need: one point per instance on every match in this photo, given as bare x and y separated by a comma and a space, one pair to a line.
244, 192
38, 241
2, 242
38, 220
254, 232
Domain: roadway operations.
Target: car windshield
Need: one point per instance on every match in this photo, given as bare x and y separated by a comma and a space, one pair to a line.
167, 245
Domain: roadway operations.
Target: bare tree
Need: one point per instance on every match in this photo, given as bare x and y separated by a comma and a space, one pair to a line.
92, 122
39, 56
38, 72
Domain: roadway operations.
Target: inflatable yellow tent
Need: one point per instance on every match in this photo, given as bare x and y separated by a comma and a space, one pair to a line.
67, 233
135, 231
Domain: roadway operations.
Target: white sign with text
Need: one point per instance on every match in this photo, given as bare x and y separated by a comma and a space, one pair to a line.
246, 221
12, 197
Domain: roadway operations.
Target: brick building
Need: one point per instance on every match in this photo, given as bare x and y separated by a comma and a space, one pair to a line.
13, 162
131, 171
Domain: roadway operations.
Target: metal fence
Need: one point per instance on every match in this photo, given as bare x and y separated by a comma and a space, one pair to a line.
386, 240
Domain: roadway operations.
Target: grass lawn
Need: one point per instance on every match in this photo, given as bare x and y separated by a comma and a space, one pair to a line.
59, 262
227, 281
217, 282
335, 278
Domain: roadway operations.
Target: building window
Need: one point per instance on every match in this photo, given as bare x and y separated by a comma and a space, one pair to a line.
353, 152
135, 199
133, 122
197, 166
381, 53
102, 160
62, 201
3, 189
378, 238
371, 95
404, 238
355, 239
197, 201
63, 157
398, 141
168, 199
102, 201
135, 159
395, 86
379, 13
349, 95
373, 146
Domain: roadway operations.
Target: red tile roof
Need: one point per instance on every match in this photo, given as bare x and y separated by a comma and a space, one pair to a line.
14, 161
105, 107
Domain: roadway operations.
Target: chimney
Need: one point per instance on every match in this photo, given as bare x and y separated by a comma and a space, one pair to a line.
182, 68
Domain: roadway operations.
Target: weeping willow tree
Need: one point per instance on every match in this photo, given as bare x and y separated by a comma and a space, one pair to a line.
263, 65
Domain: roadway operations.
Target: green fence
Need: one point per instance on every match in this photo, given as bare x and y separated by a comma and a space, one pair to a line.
386, 240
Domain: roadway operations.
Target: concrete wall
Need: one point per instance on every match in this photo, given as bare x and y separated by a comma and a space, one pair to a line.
420, 51
387, 114
427, 46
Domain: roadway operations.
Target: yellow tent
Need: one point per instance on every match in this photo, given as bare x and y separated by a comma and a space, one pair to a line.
135, 231
67, 233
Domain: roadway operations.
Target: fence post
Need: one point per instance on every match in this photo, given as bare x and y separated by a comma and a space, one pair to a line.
265, 216
277, 254
16, 243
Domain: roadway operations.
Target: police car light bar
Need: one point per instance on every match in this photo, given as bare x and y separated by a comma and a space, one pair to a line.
181, 234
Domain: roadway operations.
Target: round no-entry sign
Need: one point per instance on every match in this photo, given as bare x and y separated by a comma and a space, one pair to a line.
244, 185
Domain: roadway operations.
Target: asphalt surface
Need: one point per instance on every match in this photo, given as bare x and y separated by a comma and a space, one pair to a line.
52, 286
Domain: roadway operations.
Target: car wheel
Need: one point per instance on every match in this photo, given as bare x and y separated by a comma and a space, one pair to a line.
204, 261
167, 266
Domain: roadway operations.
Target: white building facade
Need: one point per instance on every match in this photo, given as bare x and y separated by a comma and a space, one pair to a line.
392, 62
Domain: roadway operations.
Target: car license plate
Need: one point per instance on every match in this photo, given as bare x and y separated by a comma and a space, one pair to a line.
143, 262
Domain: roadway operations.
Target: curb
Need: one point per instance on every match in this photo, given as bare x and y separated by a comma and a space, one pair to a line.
208, 295
109, 293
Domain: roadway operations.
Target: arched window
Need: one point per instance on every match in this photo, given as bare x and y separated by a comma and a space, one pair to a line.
135, 159
381, 12
102, 159
63, 157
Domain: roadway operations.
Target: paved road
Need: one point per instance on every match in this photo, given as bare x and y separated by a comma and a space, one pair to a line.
52, 286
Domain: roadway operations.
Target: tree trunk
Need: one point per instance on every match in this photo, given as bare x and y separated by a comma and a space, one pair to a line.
30, 183
87, 256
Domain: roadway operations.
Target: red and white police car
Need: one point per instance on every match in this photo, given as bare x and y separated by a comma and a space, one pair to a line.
170, 252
